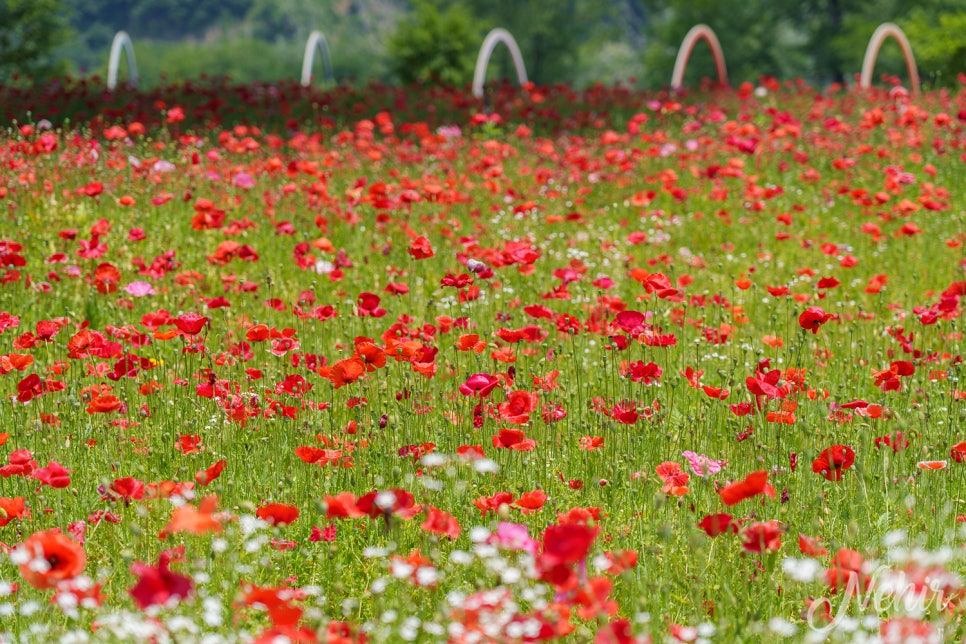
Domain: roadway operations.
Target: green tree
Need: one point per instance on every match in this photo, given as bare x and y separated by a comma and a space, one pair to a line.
30, 31
243, 60
757, 38
839, 31
434, 46
550, 34
938, 41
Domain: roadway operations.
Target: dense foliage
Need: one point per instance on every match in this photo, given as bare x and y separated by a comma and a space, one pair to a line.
577, 41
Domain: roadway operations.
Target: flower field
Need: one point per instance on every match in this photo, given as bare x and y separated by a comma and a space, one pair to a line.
600, 367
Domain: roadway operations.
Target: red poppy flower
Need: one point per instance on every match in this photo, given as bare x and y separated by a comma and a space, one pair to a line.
317, 455
674, 477
282, 612
103, 404
279, 514
470, 452
368, 305
530, 502
327, 534
567, 544
441, 523
624, 412
754, 484
479, 384
515, 439
958, 452
342, 506
846, 572
632, 323
648, 373
898, 441
127, 488
618, 632
371, 355
20, 463
55, 475
813, 318
200, 520
156, 585
420, 248
175, 115
717, 524
762, 536
11, 509
833, 461
344, 371
47, 329
190, 323
206, 476
888, 379
517, 408
53, 558
492, 503
811, 546
189, 444
766, 385
382, 504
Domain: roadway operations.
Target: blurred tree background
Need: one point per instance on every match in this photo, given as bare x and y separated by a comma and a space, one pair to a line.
570, 41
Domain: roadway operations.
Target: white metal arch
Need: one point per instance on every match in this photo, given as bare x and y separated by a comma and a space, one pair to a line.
883, 31
696, 33
121, 42
316, 42
495, 37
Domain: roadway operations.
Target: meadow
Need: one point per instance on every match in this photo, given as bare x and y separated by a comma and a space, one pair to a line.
379, 366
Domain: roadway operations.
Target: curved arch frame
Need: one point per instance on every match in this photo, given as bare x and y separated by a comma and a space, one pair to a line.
316, 42
121, 42
883, 31
495, 37
696, 33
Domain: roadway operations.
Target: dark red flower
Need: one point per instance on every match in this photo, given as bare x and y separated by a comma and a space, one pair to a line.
382, 504
158, 584
813, 318
898, 441
563, 547
55, 475
717, 524
368, 305
765, 535
127, 488
479, 384
833, 461
632, 323
190, 323
420, 248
